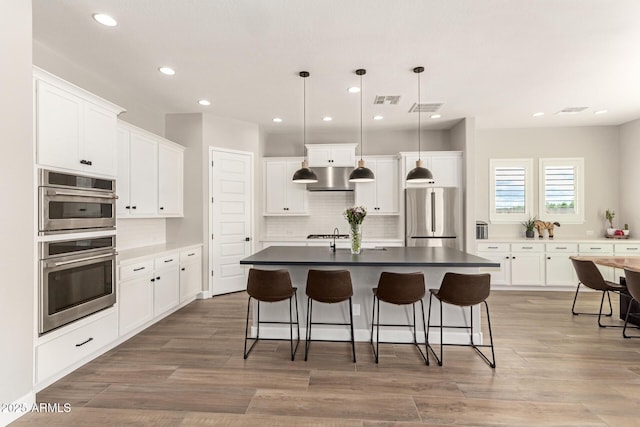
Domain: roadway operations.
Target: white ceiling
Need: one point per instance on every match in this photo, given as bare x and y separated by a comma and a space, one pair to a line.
497, 60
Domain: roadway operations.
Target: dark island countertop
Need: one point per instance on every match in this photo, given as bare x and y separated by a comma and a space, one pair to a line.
387, 257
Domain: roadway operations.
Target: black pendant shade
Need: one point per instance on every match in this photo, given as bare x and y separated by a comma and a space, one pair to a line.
361, 173
304, 175
419, 174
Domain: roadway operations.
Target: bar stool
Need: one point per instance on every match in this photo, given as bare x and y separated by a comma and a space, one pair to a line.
328, 287
590, 276
270, 286
633, 287
398, 289
463, 290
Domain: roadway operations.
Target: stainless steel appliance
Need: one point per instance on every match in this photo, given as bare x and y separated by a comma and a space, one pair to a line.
70, 203
77, 278
433, 217
332, 179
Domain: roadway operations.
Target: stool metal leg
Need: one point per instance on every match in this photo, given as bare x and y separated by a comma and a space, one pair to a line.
429, 347
309, 320
353, 341
293, 350
246, 330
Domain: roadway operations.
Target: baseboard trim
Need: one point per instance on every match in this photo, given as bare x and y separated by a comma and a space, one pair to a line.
17, 408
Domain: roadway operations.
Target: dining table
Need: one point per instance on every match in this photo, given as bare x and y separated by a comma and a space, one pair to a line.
626, 262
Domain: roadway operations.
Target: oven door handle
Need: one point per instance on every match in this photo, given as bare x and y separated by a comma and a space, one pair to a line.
58, 264
70, 193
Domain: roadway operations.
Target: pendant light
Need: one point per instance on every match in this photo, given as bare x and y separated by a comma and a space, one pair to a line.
419, 174
361, 173
304, 175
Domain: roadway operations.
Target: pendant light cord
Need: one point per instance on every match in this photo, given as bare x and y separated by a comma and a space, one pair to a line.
361, 143
419, 121
304, 118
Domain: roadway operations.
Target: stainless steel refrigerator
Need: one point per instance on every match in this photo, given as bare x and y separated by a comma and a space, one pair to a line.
433, 217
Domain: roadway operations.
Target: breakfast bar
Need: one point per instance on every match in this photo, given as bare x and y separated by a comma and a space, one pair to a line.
365, 269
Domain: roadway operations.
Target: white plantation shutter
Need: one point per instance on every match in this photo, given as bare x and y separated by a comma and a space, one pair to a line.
511, 197
561, 190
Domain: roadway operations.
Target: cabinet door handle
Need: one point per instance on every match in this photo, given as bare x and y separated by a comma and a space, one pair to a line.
153, 280
161, 208
182, 269
88, 340
139, 268
191, 254
548, 257
506, 257
513, 257
168, 260
133, 207
127, 207
158, 278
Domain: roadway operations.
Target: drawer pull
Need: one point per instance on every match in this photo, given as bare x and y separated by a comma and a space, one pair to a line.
168, 260
139, 268
492, 247
84, 342
561, 247
527, 247
191, 254
632, 249
595, 248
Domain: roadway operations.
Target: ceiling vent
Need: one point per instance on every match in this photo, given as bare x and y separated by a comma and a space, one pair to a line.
386, 100
425, 107
572, 110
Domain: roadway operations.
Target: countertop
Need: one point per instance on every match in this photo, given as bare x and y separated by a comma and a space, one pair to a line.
392, 256
558, 240
154, 250
305, 239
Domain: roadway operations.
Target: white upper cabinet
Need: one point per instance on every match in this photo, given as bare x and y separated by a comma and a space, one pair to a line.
75, 129
282, 196
150, 175
445, 166
170, 177
380, 197
323, 155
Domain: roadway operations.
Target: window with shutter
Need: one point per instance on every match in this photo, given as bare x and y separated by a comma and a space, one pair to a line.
561, 190
511, 190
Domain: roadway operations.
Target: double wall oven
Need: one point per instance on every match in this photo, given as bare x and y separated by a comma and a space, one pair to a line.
77, 254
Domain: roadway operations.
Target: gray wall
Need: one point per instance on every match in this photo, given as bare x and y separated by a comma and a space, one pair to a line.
629, 177
375, 142
598, 145
138, 113
17, 253
463, 139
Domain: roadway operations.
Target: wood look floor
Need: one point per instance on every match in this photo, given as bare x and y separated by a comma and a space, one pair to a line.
554, 369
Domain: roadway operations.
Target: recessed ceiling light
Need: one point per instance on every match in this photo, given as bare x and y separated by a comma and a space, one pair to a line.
435, 116
204, 102
538, 114
354, 89
105, 19
167, 71
277, 120
378, 117
327, 118
601, 112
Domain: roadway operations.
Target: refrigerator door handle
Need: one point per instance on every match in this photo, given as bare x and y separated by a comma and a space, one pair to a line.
433, 211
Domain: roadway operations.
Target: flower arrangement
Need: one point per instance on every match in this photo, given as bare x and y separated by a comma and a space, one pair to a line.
609, 215
355, 215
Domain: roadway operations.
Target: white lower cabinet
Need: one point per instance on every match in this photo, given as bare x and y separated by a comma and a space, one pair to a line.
499, 253
190, 273
599, 249
63, 351
527, 264
166, 283
558, 266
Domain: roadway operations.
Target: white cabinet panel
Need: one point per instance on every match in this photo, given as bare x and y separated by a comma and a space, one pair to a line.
324, 155
527, 268
135, 303
143, 175
170, 186
166, 290
123, 182
445, 166
599, 249
381, 196
75, 129
190, 273
558, 266
282, 196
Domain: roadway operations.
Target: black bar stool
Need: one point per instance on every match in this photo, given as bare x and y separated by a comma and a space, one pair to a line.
398, 289
589, 275
328, 287
270, 286
463, 290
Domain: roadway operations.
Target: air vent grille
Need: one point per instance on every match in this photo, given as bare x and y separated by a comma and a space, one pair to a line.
425, 107
386, 99
572, 110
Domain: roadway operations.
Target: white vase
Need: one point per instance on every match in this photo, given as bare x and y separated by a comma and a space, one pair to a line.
611, 231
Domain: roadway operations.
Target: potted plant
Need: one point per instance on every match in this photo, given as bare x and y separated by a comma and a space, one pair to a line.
609, 215
529, 225
626, 231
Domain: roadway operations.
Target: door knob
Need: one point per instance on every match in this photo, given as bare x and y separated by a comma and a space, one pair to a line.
247, 239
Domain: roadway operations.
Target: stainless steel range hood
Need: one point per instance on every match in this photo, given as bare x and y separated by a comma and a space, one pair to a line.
332, 179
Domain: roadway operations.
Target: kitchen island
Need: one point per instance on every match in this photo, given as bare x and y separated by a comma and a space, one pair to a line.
365, 269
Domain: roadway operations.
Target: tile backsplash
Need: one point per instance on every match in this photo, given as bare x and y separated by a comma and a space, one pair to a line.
325, 213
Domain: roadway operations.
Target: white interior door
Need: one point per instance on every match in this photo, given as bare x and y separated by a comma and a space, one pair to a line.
230, 219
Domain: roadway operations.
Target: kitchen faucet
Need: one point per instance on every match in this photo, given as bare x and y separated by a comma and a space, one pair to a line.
336, 232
